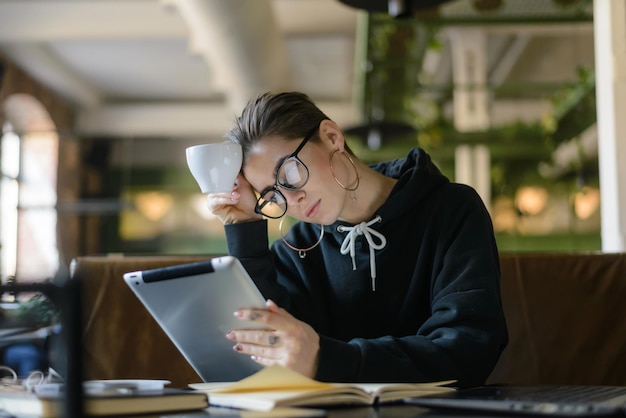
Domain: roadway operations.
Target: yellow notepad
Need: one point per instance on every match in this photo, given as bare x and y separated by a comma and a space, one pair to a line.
277, 386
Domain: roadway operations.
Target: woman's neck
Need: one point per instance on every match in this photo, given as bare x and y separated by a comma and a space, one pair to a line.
374, 189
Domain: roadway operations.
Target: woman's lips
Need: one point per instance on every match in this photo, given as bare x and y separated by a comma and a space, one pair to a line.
313, 210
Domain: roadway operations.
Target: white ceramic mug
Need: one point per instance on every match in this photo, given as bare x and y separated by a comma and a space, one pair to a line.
215, 166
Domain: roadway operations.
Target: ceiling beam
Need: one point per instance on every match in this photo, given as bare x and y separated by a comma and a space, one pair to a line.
240, 42
155, 119
184, 120
47, 21
315, 17
509, 111
49, 70
537, 29
180, 120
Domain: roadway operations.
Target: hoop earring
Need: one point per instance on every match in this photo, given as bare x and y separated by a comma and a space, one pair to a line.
356, 173
301, 251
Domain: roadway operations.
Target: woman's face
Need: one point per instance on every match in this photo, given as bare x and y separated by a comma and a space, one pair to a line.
321, 199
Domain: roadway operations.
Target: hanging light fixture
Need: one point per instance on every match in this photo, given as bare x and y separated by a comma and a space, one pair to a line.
379, 129
395, 8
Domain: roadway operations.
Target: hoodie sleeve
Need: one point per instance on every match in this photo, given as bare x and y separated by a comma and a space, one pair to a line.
249, 243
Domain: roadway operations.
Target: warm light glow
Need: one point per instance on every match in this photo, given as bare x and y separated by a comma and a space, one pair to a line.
199, 204
504, 216
154, 205
531, 200
586, 202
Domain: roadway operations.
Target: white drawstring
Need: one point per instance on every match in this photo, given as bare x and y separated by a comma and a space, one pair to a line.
347, 246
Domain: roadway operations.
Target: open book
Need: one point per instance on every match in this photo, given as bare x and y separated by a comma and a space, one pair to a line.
276, 386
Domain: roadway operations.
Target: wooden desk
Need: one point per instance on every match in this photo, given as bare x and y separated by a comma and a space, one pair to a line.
386, 411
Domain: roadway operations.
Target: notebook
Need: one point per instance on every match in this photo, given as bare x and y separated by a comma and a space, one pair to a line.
561, 401
194, 304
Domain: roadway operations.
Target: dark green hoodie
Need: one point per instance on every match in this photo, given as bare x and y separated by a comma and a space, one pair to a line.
425, 307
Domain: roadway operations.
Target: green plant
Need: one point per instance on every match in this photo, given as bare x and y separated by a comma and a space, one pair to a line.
573, 108
38, 311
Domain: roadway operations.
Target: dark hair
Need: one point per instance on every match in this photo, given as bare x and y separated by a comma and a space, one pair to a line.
289, 115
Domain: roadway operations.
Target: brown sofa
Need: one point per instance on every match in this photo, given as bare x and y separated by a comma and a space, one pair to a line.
566, 315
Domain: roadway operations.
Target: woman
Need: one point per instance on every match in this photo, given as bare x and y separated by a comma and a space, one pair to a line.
391, 275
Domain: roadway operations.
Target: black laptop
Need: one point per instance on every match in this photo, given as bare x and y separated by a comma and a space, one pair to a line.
559, 401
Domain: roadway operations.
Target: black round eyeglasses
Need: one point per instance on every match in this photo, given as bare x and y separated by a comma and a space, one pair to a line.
292, 174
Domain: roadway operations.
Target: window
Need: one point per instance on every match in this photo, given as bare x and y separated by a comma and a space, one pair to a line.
28, 211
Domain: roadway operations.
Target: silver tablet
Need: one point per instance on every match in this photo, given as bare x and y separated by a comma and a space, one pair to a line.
194, 304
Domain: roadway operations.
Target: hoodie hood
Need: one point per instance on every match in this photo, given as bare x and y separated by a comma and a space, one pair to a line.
417, 179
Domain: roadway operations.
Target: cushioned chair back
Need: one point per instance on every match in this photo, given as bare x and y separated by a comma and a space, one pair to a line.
121, 339
566, 315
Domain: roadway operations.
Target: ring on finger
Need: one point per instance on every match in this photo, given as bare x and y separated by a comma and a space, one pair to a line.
273, 339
